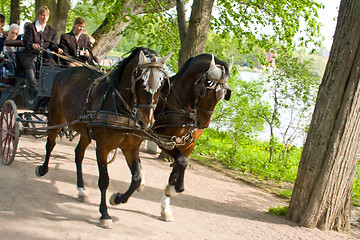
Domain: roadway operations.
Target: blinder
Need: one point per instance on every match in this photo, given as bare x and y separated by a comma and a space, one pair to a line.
143, 72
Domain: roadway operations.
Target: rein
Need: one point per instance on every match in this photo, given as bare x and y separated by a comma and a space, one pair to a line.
69, 58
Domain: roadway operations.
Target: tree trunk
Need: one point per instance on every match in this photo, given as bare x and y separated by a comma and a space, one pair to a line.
196, 35
322, 192
15, 12
62, 10
109, 33
181, 17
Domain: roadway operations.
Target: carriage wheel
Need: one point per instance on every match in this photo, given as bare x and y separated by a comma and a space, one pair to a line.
111, 156
9, 132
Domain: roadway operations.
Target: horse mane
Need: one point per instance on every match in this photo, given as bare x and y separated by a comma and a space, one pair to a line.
119, 68
192, 59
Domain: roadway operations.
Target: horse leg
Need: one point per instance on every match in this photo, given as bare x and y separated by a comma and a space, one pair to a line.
50, 144
133, 161
105, 219
176, 179
175, 185
79, 157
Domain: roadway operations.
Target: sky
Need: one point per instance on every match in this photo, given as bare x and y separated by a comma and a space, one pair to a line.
328, 17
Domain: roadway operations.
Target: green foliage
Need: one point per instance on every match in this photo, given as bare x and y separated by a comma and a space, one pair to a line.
159, 32
258, 22
286, 194
239, 114
5, 9
86, 9
249, 156
356, 186
27, 10
278, 211
292, 91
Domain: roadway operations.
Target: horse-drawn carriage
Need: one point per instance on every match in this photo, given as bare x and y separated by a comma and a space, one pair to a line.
136, 101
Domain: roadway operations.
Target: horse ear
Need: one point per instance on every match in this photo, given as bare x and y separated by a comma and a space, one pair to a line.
164, 59
142, 58
230, 65
214, 71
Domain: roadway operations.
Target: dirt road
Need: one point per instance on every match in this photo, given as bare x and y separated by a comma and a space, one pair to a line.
213, 206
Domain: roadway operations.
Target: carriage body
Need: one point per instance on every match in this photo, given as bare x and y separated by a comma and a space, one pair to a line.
31, 119
14, 87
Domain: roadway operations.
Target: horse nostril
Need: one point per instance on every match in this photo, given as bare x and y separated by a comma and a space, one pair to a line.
141, 124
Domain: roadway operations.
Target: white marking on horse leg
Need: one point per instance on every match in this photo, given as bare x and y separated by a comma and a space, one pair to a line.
82, 195
142, 183
106, 223
170, 191
166, 213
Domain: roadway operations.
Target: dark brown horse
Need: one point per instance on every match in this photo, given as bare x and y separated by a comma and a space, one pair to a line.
181, 117
112, 109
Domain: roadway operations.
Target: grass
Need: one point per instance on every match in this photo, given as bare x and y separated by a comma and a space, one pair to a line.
249, 161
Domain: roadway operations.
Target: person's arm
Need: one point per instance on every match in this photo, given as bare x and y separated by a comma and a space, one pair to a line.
64, 44
88, 47
52, 38
14, 43
28, 37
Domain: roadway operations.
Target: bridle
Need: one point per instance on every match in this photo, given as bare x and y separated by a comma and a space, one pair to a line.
218, 85
144, 71
182, 117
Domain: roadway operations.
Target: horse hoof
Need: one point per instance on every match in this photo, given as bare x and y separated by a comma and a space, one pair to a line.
167, 217
83, 196
141, 188
170, 191
106, 223
39, 172
112, 199
84, 199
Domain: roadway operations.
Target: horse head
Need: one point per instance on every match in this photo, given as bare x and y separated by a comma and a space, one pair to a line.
210, 88
147, 80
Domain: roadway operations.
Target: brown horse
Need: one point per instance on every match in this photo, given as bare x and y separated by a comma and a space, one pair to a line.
181, 117
112, 109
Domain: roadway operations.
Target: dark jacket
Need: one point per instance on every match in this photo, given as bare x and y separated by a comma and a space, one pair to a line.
74, 48
46, 39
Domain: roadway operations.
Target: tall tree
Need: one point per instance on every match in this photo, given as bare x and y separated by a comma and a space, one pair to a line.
322, 191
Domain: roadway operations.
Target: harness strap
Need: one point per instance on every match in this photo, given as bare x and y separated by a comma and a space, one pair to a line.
56, 126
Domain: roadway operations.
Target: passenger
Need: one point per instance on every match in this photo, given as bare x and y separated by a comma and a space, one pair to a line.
38, 37
13, 36
10, 49
77, 45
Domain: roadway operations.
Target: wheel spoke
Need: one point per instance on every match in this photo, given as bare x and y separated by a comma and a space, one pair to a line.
9, 132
